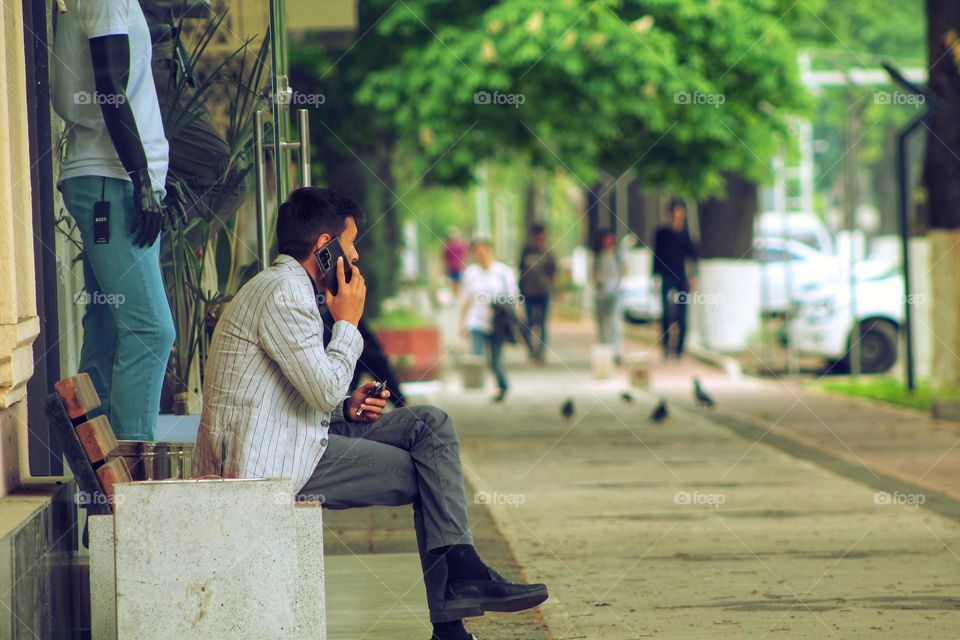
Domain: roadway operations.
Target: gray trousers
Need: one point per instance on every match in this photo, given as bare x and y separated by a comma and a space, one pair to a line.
409, 456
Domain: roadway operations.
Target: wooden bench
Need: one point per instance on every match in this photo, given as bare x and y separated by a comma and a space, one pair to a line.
87, 442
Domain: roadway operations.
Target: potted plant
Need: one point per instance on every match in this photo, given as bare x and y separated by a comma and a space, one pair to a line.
411, 343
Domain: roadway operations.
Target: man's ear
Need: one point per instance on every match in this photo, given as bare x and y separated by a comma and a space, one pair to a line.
324, 239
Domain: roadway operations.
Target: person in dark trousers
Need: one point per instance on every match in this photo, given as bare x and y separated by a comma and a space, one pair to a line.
373, 361
537, 270
672, 248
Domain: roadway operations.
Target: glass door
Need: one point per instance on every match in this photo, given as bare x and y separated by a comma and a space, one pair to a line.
275, 146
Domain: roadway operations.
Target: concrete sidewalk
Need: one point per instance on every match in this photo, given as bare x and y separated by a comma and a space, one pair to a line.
693, 529
882, 443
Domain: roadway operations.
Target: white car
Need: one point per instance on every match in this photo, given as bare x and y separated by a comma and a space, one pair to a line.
782, 261
640, 298
801, 226
822, 323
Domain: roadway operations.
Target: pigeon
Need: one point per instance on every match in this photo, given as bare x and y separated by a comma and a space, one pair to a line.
660, 412
567, 409
701, 396
626, 397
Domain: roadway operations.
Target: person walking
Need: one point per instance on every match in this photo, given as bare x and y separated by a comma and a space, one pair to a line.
537, 271
454, 257
487, 284
607, 276
672, 249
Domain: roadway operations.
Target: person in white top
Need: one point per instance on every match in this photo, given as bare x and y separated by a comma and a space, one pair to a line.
485, 283
112, 178
608, 272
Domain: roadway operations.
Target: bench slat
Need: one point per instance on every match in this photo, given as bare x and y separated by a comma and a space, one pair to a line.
97, 438
112, 473
78, 395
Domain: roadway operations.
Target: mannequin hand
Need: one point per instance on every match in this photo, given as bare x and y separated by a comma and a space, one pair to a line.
174, 205
147, 207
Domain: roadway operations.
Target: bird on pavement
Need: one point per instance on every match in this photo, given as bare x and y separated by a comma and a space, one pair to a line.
701, 396
626, 397
566, 410
660, 413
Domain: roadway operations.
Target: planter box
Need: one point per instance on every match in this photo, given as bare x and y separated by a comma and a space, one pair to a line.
414, 353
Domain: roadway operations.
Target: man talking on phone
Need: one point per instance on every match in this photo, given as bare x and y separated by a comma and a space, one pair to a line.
275, 403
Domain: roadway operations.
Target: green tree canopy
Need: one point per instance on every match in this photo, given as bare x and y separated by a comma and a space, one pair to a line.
683, 90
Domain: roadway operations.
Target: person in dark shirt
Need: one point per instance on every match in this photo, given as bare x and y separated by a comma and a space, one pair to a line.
537, 270
373, 360
672, 248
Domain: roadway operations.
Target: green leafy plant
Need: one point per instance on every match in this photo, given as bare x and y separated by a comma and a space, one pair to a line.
202, 259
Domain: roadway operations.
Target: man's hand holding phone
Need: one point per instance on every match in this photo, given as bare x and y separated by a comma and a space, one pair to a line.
367, 403
351, 296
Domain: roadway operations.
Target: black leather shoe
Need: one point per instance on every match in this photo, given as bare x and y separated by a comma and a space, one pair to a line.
468, 598
472, 637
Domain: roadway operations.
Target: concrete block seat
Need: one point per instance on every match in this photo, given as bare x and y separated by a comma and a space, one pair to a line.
208, 559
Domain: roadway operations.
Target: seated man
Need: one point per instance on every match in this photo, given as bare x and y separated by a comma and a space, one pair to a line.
275, 404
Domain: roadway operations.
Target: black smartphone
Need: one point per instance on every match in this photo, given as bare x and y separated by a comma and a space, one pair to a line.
372, 391
327, 261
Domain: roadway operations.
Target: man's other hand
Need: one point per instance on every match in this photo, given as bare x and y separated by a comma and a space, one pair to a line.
351, 296
372, 406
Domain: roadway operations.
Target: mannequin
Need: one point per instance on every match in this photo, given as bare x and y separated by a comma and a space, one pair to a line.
112, 178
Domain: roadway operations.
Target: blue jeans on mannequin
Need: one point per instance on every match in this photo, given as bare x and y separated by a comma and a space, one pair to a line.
486, 341
127, 327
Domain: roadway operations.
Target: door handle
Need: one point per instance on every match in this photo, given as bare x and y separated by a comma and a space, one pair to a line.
260, 177
303, 133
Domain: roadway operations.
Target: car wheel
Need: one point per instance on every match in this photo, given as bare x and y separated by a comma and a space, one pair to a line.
879, 341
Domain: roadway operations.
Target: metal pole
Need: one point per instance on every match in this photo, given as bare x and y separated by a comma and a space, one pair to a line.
904, 182
903, 178
303, 129
260, 177
851, 132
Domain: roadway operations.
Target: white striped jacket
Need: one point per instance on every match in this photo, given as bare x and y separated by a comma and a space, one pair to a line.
270, 388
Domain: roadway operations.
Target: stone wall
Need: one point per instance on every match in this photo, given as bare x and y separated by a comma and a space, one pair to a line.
19, 324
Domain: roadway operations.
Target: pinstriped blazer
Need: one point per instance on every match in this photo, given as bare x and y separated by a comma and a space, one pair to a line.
270, 388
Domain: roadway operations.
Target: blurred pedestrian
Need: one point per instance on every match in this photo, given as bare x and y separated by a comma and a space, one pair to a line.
672, 249
454, 257
488, 284
607, 275
537, 270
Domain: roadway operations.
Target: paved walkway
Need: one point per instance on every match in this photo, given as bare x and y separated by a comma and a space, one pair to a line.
692, 529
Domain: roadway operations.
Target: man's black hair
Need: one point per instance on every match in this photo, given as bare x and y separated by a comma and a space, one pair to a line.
308, 213
537, 228
677, 202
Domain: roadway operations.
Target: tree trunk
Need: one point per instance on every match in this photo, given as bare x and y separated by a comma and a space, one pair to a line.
726, 224
941, 178
942, 164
